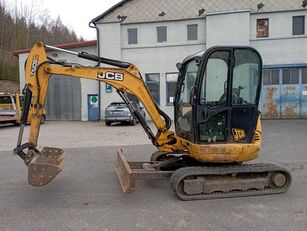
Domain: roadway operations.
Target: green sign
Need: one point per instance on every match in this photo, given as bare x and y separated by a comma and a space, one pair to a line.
94, 99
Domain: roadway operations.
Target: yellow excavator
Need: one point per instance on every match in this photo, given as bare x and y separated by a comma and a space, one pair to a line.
217, 123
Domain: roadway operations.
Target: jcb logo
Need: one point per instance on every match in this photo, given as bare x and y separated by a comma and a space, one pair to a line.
111, 76
238, 134
34, 65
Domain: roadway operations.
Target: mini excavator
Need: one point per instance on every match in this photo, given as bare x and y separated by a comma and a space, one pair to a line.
217, 123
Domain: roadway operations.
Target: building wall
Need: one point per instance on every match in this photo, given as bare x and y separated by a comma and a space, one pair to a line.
229, 28
148, 55
280, 48
109, 47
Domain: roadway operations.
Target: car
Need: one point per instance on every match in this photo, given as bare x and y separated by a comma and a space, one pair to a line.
11, 107
119, 112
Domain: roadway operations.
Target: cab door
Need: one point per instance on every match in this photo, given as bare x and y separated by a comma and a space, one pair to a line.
183, 105
228, 90
212, 108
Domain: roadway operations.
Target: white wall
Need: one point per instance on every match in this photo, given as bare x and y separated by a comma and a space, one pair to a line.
230, 28
148, 55
109, 47
281, 47
280, 24
176, 33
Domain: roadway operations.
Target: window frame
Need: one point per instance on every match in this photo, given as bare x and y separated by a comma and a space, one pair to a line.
159, 86
295, 32
190, 37
131, 41
166, 88
259, 33
304, 75
161, 38
270, 80
291, 78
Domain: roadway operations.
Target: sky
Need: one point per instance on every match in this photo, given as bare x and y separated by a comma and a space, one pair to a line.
75, 14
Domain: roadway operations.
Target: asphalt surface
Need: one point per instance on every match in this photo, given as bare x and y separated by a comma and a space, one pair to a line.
87, 195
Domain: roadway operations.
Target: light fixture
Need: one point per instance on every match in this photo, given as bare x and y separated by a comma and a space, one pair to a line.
162, 14
304, 3
121, 18
260, 6
201, 12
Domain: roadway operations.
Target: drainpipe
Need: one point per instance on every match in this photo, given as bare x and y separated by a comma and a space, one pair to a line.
93, 25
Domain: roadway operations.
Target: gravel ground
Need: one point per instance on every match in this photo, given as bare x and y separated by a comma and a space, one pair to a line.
77, 134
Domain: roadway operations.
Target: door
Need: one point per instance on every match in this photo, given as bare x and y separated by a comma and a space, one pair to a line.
290, 93
93, 107
63, 100
212, 107
184, 123
271, 94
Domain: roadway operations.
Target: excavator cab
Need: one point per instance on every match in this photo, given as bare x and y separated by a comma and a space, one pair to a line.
217, 96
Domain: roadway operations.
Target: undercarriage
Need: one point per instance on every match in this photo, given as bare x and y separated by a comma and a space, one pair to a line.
193, 180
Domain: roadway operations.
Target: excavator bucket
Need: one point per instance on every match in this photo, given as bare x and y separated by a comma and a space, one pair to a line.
45, 166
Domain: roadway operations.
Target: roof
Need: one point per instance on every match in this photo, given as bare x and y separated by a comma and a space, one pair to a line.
135, 11
63, 46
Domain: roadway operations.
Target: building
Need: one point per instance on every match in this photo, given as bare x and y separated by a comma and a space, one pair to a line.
68, 98
155, 35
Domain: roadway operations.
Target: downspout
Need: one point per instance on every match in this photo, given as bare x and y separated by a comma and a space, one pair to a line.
92, 24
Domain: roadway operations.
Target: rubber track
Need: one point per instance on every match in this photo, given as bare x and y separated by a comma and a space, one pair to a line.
179, 175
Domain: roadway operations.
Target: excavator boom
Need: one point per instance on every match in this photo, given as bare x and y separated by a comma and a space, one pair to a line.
124, 77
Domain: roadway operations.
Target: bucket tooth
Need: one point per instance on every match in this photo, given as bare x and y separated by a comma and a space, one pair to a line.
45, 166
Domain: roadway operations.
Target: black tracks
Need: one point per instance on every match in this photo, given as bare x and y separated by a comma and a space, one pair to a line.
232, 173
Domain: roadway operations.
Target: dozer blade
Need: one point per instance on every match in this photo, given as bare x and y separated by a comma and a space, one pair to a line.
129, 171
124, 173
45, 166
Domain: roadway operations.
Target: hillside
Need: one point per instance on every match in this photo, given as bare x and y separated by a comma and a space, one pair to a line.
20, 28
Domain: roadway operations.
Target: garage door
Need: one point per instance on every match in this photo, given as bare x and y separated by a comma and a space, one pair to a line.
284, 93
63, 100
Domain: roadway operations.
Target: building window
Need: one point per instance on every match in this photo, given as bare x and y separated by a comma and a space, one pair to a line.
270, 76
161, 34
153, 84
304, 75
298, 25
290, 76
132, 36
192, 32
171, 81
262, 28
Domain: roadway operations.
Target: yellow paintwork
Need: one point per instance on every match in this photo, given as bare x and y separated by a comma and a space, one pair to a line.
132, 83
